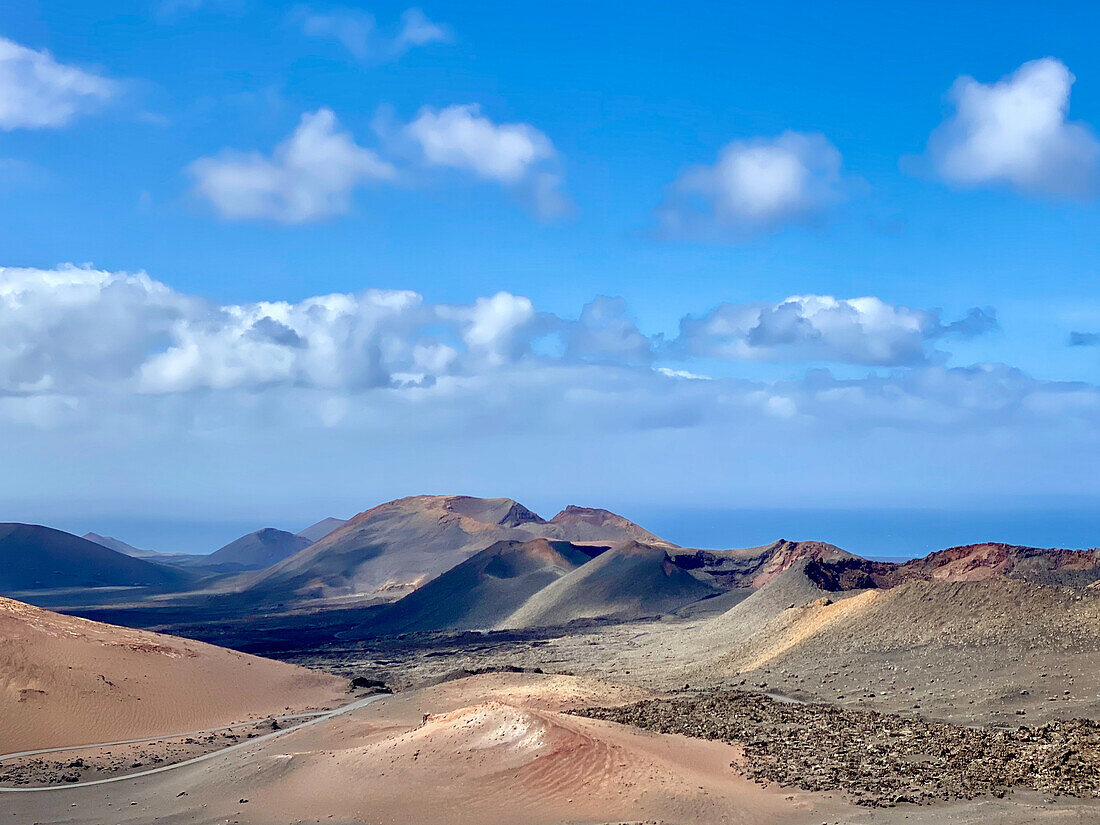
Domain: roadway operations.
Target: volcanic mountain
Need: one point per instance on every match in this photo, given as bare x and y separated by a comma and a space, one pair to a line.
392, 549
626, 582
257, 550
41, 558
485, 589
69, 681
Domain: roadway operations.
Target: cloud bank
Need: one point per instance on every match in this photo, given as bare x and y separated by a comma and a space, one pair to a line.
116, 387
74, 339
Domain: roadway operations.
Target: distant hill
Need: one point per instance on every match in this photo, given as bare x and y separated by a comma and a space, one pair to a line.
627, 582
33, 557
184, 559
390, 550
257, 550
485, 589
120, 546
316, 532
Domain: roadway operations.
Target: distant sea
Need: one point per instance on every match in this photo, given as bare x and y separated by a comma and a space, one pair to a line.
874, 533
878, 534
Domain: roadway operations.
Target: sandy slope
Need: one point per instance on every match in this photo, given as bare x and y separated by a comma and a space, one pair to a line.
491, 749
66, 681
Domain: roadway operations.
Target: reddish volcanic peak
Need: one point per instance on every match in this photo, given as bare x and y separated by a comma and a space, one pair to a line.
784, 554
595, 520
501, 511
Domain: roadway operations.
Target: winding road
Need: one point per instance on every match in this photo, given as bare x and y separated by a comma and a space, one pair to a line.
322, 716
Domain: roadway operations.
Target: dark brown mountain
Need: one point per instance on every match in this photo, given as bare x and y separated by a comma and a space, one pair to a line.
33, 557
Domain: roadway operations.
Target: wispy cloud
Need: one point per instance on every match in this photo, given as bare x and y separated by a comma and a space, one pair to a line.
358, 32
1084, 339
38, 92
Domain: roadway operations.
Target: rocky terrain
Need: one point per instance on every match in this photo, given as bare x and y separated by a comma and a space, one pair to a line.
878, 759
972, 562
756, 566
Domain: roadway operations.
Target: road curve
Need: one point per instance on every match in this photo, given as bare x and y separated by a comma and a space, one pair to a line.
64, 748
322, 717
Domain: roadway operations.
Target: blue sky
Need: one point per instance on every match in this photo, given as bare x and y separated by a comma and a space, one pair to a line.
555, 153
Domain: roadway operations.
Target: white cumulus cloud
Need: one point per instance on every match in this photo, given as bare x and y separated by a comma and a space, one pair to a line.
1017, 133
37, 92
516, 155
755, 186
311, 175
